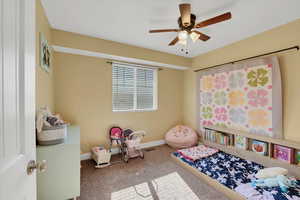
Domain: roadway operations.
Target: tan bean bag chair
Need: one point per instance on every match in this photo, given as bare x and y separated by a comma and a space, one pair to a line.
181, 137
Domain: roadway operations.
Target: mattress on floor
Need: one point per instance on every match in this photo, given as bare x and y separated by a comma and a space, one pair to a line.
232, 171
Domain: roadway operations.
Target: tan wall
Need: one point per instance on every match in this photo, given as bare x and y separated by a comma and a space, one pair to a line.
83, 96
72, 40
44, 80
79, 87
82, 88
278, 38
189, 100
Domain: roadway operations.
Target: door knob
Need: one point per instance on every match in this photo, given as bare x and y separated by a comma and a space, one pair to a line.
39, 166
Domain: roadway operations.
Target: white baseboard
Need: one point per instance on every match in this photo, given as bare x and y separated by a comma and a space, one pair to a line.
114, 151
85, 156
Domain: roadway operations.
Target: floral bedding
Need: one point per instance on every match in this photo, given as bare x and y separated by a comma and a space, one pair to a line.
233, 171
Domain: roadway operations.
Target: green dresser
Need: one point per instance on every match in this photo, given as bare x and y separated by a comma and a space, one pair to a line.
61, 180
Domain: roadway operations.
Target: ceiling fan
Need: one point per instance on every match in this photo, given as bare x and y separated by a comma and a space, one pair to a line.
187, 25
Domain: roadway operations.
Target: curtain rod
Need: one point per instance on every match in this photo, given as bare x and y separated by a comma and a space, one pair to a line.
265, 54
135, 64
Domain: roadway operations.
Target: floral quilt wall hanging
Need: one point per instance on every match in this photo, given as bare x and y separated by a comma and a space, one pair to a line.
243, 99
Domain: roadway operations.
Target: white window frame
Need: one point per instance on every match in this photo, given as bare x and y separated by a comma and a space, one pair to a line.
155, 87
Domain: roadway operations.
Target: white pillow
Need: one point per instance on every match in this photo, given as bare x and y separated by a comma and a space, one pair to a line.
271, 172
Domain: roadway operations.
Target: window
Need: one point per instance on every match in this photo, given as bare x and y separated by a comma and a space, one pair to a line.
133, 88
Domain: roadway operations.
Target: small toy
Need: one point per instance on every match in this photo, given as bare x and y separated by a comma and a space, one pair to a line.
101, 156
133, 142
282, 181
128, 141
116, 136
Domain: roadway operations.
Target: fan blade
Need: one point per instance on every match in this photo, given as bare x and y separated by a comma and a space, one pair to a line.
173, 42
163, 30
185, 12
214, 20
202, 36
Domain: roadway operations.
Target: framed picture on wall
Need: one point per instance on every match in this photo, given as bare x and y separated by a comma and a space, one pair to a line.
45, 53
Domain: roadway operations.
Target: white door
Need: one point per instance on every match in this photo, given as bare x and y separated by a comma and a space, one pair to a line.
17, 99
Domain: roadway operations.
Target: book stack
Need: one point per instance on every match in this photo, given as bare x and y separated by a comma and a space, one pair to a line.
218, 137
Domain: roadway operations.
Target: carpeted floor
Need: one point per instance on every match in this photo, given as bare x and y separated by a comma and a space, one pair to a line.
155, 177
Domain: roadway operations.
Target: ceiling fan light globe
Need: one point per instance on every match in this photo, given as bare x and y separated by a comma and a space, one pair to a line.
182, 42
182, 35
194, 36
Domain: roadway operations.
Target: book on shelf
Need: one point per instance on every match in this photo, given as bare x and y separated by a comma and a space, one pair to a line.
259, 147
298, 157
284, 153
218, 137
241, 142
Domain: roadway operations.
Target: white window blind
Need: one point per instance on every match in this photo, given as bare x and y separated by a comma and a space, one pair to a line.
133, 88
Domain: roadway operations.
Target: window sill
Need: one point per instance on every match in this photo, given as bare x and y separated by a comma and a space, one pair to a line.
144, 110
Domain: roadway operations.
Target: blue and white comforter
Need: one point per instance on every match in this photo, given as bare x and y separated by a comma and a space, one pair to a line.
232, 171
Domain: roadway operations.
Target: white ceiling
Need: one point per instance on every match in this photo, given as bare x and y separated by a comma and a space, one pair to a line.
128, 21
